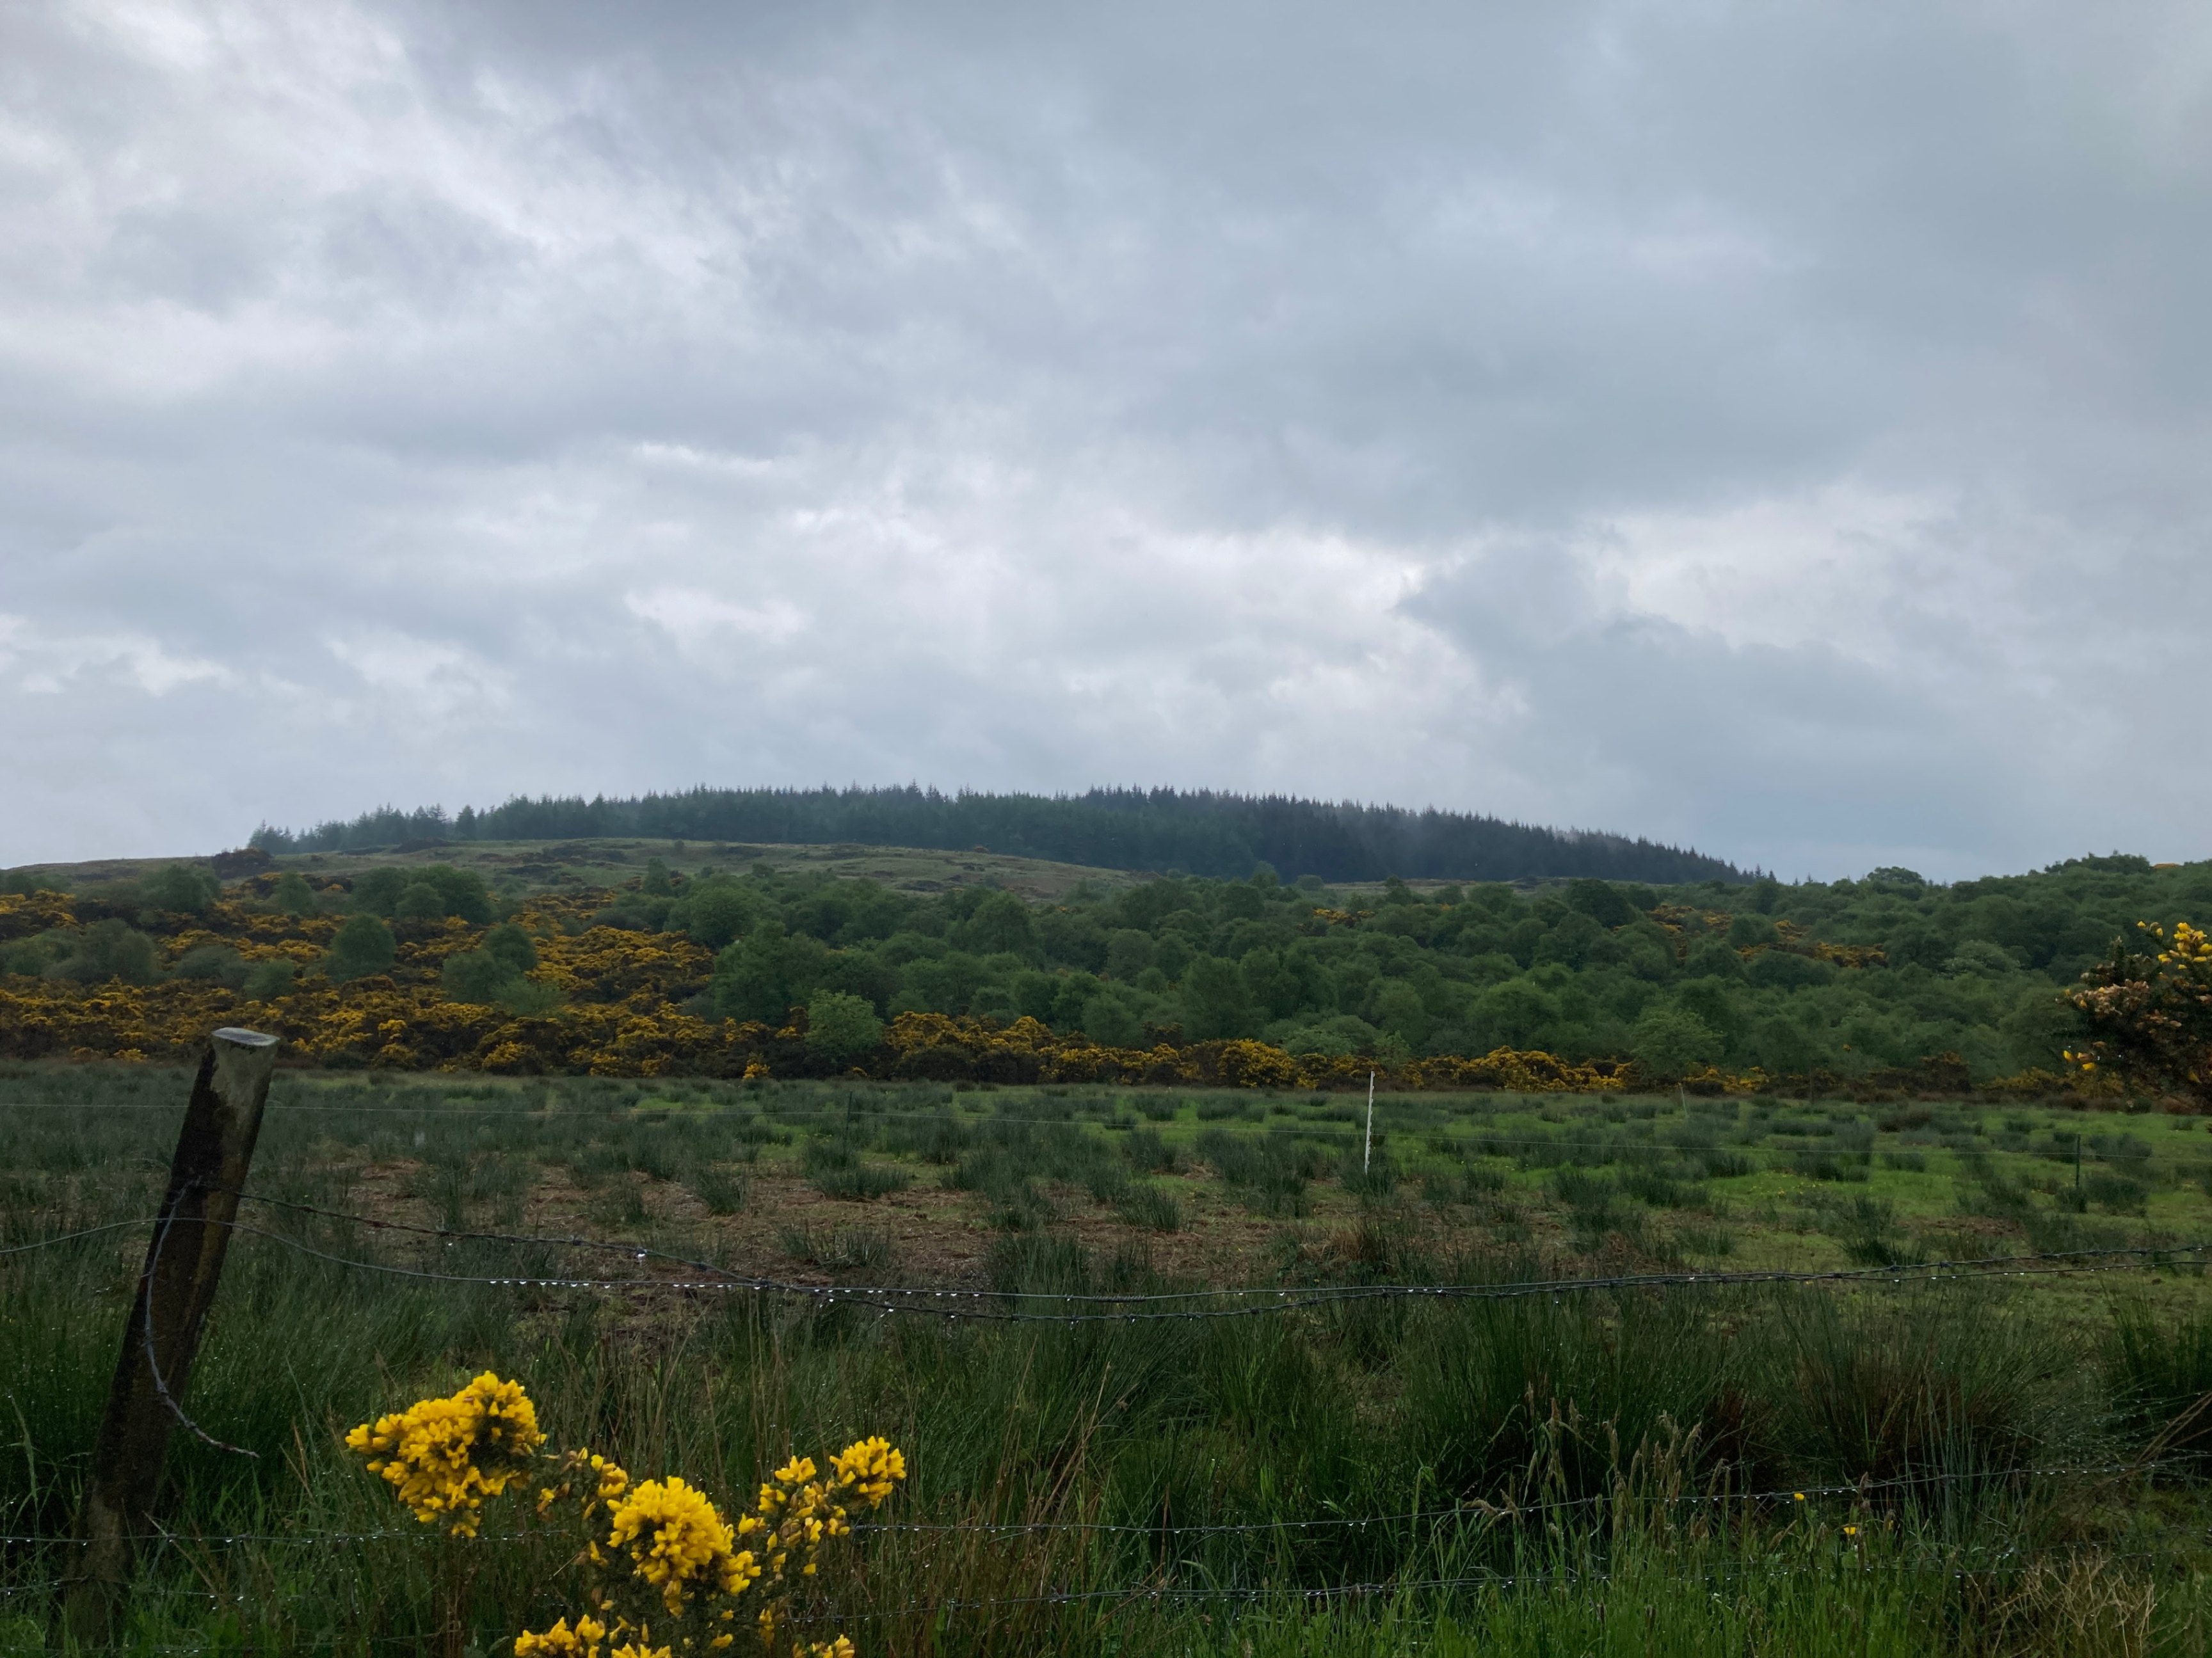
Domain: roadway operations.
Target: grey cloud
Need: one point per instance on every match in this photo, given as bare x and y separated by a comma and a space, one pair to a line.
1818, 761
530, 396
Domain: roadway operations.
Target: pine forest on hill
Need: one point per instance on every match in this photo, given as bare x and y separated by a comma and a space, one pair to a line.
1202, 833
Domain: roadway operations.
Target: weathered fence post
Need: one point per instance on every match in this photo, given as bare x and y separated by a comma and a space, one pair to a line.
184, 1262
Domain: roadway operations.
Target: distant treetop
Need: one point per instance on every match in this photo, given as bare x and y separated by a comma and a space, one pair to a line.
1201, 833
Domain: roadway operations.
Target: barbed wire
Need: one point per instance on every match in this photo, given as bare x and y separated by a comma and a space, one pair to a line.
71, 1238
972, 1305
642, 1251
2009, 1557
1504, 1507
147, 1280
1959, 1563
968, 1302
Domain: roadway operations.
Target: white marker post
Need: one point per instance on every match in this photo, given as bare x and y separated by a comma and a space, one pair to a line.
1367, 1151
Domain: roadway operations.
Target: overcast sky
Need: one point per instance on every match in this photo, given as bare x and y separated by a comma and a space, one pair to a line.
1778, 429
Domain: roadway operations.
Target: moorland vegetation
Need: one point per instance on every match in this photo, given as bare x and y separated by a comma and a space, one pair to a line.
1228, 1368
1888, 981
2005, 1465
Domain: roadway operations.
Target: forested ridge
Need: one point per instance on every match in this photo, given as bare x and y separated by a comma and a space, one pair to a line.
1845, 979
1199, 832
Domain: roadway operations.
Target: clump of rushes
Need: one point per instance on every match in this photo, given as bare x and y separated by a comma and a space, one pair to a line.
665, 1571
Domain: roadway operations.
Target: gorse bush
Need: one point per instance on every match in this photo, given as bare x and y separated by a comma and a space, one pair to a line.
2150, 1011
655, 1555
1884, 986
444, 1457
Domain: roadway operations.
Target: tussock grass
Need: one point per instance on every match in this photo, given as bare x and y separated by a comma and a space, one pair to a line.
1654, 1413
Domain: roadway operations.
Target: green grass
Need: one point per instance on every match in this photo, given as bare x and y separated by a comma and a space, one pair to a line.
1598, 1175
1579, 1460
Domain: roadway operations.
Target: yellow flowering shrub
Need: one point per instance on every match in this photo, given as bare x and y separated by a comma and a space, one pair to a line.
444, 1457
670, 1562
665, 1570
2150, 1012
678, 1542
561, 1642
625, 1014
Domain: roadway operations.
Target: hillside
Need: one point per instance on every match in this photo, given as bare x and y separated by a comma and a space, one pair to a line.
720, 947
1157, 830
518, 867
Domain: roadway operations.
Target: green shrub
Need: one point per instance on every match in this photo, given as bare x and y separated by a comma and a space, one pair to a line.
714, 912
475, 975
292, 895
218, 962
109, 950
428, 894
362, 946
841, 1027
269, 979
179, 889
526, 998
33, 956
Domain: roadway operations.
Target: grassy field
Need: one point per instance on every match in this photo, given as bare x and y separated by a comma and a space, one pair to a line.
1995, 1465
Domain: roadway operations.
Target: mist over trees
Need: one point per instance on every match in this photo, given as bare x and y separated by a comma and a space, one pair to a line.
1202, 833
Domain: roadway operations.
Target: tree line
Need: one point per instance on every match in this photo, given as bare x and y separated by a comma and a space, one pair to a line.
1201, 833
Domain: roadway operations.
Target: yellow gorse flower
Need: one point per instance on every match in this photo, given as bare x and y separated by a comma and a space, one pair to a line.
586, 1473
872, 1467
445, 1456
561, 1642
678, 1542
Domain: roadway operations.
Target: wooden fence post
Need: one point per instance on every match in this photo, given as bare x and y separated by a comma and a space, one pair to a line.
184, 1262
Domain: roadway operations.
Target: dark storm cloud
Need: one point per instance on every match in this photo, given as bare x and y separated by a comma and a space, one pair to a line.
1780, 428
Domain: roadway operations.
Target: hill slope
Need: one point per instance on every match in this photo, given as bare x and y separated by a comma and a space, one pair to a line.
1205, 833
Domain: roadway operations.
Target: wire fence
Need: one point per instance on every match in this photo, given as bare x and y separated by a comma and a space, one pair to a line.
1007, 1305
1845, 1558
688, 1275
1813, 1158
1502, 1509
